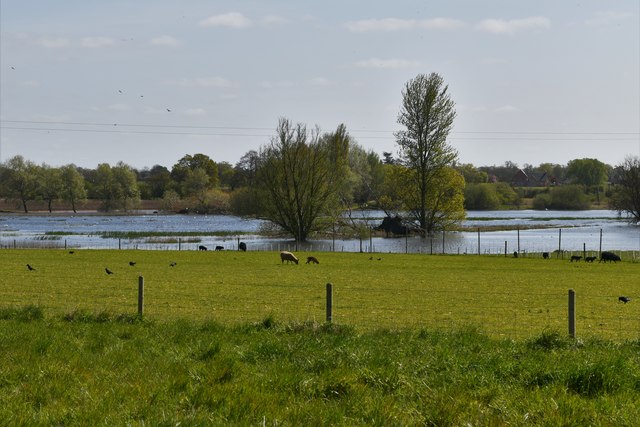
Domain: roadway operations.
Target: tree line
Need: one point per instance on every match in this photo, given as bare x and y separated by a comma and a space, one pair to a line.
304, 180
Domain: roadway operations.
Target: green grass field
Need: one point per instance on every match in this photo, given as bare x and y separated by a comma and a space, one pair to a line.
503, 297
233, 338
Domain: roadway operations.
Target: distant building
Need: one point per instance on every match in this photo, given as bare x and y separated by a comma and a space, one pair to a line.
522, 179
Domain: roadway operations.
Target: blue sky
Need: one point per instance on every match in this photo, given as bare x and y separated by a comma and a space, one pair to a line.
146, 82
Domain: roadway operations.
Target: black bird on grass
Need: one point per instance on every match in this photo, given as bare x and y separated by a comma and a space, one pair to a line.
108, 271
30, 268
173, 264
132, 263
71, 252
624, 299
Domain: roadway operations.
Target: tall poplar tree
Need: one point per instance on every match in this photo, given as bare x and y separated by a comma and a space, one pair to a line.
427, 113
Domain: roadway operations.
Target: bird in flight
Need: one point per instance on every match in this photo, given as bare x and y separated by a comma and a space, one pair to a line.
168, 110
30, 268
108, 271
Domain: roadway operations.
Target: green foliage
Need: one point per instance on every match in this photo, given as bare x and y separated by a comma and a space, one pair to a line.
626, 197
100, 370
301, 177
481, 197
568, 197
427, 114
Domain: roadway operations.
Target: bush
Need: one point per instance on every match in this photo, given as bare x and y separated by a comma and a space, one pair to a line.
481, 197
569, 197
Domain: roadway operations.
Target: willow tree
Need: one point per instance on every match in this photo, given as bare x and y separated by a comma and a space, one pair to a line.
626, 197
298, 174
427, 113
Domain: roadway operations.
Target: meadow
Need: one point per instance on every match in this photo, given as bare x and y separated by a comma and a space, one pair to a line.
233, 338
501, 296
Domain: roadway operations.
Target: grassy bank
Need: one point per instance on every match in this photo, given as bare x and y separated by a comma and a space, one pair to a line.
233, 338
85, 369
503, 297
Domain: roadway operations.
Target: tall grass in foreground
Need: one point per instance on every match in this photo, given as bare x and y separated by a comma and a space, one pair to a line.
87, 368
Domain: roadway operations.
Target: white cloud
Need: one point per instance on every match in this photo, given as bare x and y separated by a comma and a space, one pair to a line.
512, 26
386, 63
54, 42
441, 24
607, 18
395, 24
215, 81
230, 20
166, 41
386, 24
96, 42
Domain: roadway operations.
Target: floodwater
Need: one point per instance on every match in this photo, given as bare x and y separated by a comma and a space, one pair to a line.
571, 231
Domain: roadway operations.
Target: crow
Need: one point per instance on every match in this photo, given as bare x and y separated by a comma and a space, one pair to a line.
108, 271
132, 263
30, 268
173, 264
624, 299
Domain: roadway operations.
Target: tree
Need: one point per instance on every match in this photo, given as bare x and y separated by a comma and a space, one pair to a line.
117, 187
188, 163
427, 113
73, 187
297, 177
21, 180
626, 197
126, 186
50, 184
591, 173
157, 179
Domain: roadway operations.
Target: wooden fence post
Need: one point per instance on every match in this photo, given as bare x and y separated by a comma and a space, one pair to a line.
572, 313
329, 302
140, 296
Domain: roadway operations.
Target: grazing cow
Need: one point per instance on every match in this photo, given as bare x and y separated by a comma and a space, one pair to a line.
219, 248
287, 256
624, 299
202, 248
515, 254
575, 258
242, 246
609, 256
312, 260
545, 255
590, 259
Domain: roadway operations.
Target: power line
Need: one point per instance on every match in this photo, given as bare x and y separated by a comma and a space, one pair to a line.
243, 128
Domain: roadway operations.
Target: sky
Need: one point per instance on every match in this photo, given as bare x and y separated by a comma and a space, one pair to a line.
147, 82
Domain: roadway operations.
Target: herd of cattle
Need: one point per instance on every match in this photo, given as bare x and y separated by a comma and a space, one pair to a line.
605, 256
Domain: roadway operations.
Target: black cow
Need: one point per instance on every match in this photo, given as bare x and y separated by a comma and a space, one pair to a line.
242, 246
202, 248
609, 256
575, 258
393, 225
219, 248
545, 255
